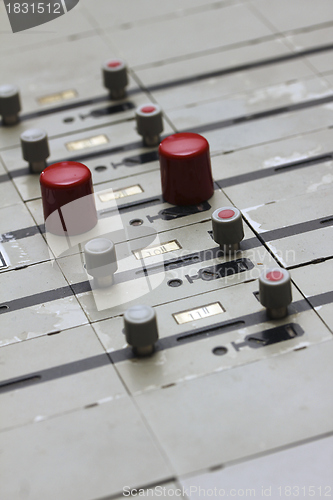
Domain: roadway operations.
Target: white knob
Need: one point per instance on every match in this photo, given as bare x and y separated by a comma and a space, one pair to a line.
101, 260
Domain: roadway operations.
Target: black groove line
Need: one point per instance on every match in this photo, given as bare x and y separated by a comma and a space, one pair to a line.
210, 127
274, 234
74, 105
239, 68
300, 228
4, 178
172, 341
126, 207
195, 257
35, 299
81, 157
121, 277
199, 129
181, 81
221, 183
270, 171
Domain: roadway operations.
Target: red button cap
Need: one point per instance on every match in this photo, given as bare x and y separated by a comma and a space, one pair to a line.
148, 109
226, 214
275, 275
68, 200
186, 173
114, 64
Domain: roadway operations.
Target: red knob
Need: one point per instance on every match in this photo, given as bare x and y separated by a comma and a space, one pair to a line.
68, 200
186, 173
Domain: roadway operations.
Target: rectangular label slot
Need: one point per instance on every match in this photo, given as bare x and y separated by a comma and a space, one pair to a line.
90, 142
58, 97
198, 313
144, 253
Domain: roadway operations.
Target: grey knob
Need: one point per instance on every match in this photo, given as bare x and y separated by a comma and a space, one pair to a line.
149, 123
115, 77
227, 228
275, 291
10, 104
141, 329
35, 149
101, 261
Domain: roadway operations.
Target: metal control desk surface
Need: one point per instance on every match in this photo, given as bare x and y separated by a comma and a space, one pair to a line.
218, 410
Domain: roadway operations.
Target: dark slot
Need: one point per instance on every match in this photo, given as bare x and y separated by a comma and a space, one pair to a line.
3, 263
208, 332
179, 211
169, 265
3, 308
111, 110
269, 337
274, 335
225, 269
176, 212
180, 262
327, 221
20, 382
132, 161
302, 163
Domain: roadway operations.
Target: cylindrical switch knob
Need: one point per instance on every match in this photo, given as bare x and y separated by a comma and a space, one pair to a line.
141, 329
115, 77
68, 199
10, 104
101, 260
227, 227
35, 149
186, 173
149, 123
275, 291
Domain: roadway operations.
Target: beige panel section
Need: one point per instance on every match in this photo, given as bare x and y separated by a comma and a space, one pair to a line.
20, 251
273, 475
275, 154
75, 383
85, 454
42, 318
67, 65
285, 15
223, 351
288, 184
219, 59
268, 86
176, 38
313, 280
115, 13
244, 411
255, 101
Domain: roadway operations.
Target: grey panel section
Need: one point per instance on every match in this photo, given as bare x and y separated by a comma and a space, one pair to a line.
70, 4
21, 21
